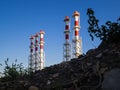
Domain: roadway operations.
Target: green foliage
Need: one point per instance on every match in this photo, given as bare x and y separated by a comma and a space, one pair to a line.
109, 32
14, 71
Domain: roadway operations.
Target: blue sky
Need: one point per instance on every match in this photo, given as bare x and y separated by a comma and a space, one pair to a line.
19, 19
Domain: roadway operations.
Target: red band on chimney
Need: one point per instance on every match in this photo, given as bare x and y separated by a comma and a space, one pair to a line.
67, 27
41, 39
66, 36
31, 43
76, 23
31, 50
41, 46
76, 33
36, 41
36, 48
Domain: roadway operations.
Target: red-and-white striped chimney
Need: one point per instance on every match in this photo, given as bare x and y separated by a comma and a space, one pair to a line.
31, 57
37, 56
36, 52
76, 39
42, 54
66, 48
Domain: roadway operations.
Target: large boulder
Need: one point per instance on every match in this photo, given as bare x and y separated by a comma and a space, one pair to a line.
111, 80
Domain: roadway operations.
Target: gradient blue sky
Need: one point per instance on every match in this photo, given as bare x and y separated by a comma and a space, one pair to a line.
19, 19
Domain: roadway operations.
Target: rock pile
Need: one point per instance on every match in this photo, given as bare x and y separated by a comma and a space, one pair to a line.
93, 71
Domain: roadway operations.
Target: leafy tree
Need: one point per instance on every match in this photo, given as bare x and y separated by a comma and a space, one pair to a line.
109, 32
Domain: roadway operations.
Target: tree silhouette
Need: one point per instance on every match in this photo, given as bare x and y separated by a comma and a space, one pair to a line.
109, 32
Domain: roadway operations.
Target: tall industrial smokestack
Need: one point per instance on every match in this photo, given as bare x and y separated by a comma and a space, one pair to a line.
37, 65
66, 48
42, 54
31, 57
77, 42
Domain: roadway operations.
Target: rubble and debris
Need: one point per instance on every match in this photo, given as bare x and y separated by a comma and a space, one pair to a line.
93, 71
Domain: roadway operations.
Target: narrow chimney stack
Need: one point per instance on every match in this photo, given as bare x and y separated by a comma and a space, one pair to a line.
66, 47
31, 57
36, 52
77, 41
42, 54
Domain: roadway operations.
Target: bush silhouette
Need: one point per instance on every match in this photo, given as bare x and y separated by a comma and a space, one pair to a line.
14, 71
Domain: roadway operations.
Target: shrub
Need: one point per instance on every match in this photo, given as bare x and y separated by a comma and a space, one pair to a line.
14, 71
